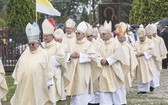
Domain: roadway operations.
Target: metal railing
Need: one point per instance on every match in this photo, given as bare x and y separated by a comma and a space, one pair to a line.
9, 50
10, 54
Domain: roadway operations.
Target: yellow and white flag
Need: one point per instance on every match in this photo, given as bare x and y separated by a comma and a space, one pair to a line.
45, 6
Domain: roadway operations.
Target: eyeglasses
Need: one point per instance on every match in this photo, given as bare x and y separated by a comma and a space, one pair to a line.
103, 34
90, 36
31, 44
77, 33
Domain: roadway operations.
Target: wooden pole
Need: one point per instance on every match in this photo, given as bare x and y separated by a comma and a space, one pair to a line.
36, 16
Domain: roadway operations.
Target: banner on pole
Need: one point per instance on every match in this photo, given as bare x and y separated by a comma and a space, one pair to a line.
45, 6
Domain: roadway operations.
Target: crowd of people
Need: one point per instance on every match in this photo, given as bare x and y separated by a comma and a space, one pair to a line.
91, 65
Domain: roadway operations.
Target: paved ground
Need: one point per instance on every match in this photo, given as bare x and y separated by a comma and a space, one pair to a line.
160, 92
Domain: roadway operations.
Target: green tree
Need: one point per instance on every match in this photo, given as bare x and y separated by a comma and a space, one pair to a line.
148, 11
68, 8
125, 10
62, 6
134, 13
84, 15
19, 13
2, 4
144, 12
2, 10
159, 9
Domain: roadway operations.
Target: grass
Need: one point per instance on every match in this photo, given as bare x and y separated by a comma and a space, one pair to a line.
11, 86
132, 97
144, 99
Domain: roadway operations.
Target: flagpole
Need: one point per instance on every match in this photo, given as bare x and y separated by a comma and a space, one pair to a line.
36, 16
36, 10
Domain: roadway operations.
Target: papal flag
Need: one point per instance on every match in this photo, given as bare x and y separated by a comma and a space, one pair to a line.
45, 6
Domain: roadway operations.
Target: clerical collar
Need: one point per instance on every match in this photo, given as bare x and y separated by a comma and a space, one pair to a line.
146, 40
93, 40
123, 43
70, 35
36, 51
49, 43
81, 41
108, 41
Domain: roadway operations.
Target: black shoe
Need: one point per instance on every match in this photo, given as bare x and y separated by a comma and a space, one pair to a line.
164, 66
142, 92
151, 89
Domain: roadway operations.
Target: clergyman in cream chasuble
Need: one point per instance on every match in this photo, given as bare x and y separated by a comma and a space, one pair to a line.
60, 66
133, 63
112, 75
79, 72
145, 70
3, 85
31, 74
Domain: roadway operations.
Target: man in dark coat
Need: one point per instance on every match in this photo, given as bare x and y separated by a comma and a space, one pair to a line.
164, 34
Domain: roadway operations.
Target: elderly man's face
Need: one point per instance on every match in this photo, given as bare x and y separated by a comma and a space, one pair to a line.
69, 30
79, 35
47, 38
142, 39
58, 40
106, 36
154, 35
33, 45
149, 36
121, 39
90, 38
119, 31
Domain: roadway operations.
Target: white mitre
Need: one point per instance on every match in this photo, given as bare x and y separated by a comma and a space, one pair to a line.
106, 28
32, 32
141, 26
154, 28
141, 32
149, 30
70, 23
47, 27
82, 27
58, 33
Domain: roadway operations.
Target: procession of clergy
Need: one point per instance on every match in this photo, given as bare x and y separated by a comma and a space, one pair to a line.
88, 64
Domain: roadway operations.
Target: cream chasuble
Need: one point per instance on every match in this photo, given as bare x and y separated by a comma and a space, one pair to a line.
145, 70
99, 40
97, 43
3, 85
96, 69
158, 56
57, 52
68, 39
161, 49
31, 74
67, 42
133, 63
112, 77
79, 72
